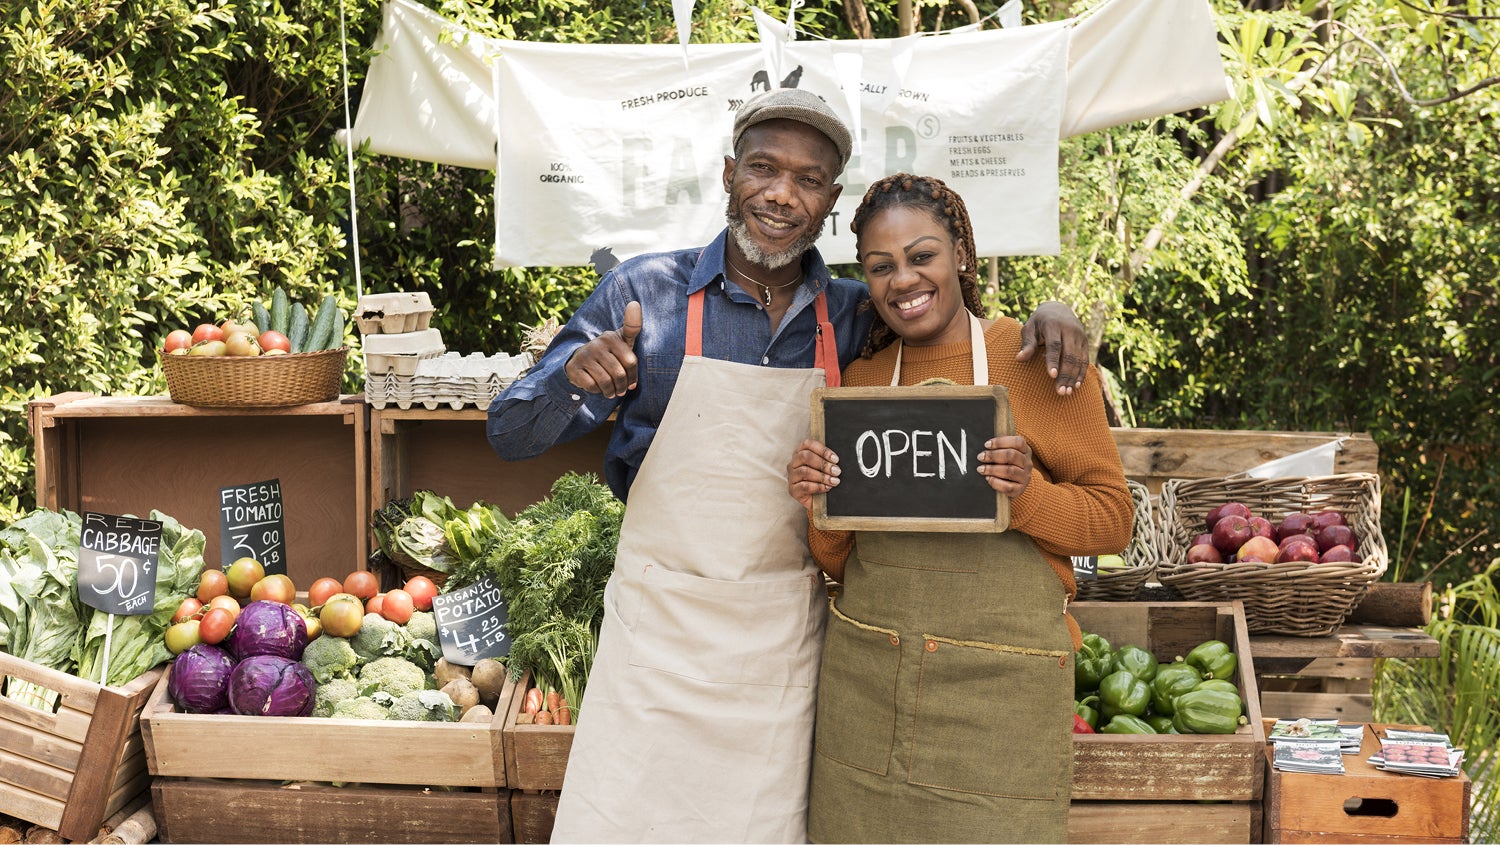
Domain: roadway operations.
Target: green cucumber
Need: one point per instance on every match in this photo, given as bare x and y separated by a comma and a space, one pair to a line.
322, 325
336, 337
260, 315
280, 309
298, 328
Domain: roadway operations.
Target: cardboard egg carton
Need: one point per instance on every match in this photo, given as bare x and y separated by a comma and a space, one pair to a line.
393, 313
450, 379
401, 353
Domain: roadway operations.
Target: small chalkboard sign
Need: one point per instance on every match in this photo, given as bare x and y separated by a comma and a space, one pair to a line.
910, 457
117, 557
1086, 568
251, 524
471, 623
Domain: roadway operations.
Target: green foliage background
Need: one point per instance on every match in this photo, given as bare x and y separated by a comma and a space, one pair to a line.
164, 162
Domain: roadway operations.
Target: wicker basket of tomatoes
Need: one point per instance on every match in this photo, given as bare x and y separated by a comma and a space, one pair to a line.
260, 381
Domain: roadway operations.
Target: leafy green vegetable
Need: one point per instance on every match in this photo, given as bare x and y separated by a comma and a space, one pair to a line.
429, 530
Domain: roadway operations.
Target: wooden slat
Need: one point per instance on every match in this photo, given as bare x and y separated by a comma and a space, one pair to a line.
532, 815
536, 756
40, 745
204, 811
1153, 455
1163, 822
29, 806
1348, 641
31, 776
1347, 707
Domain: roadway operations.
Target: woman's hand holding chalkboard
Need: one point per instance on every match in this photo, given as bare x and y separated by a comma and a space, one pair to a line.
1006, 464
607, 364
814, 469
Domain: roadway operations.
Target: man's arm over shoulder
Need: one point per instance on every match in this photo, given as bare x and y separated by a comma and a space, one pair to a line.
544, 408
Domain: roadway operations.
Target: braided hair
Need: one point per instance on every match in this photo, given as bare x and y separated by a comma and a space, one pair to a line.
947, 208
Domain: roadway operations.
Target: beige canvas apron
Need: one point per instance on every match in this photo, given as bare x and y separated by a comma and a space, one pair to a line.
945, 692
696, 725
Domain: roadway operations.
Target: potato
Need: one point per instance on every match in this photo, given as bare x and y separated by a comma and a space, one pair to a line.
445, 672
477, 713
489, 676
464, 694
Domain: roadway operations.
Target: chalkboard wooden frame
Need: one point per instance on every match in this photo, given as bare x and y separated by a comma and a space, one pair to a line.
832, 403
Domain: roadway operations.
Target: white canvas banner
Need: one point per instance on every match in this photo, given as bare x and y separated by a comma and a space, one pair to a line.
622, 146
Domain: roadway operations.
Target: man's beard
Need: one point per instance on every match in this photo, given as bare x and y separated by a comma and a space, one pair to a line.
759, 257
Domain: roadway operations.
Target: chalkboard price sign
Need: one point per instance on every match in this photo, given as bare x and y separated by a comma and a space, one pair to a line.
471, 623
910, 457
251, 524
117, 559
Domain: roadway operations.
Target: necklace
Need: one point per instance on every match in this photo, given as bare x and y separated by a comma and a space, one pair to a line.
765, 289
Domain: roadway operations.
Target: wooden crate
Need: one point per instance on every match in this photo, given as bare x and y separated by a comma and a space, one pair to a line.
1150, 788
72, 768
189, 810
1326, 688
532, 815
1153, 455
1365, 804
129, 454
536, 756
311, 748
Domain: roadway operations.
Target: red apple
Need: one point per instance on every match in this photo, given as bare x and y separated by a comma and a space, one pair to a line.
1335, 535
1231, 532
1200, 539
1204, 553
1298, 540
1226, 509
1294, 523
1339, 553
1293, 552
1257, 549
1262, 527
1327, 517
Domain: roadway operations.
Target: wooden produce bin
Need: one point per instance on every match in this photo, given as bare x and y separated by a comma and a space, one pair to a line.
72, 768
445, 451
1365, 804
532, 815
1170, 788
390, 766
129, 454
536, 756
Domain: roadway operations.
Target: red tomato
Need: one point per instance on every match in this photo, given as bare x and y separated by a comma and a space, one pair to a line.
375, 603
215, 625
177, 339
187, 610
207, 331
397, 606
274, 340
322, 590
362, 583
422, 590
342, 616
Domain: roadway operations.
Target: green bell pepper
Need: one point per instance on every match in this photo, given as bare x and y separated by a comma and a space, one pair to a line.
1121, 692
1219, 684
1125, 723
1214, 659
1208, 711
1135, 660
1089, 670
1095, 646
1161, 724
1172, 680
1085, 709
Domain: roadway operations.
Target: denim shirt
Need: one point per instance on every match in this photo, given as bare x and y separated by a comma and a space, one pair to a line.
544, 409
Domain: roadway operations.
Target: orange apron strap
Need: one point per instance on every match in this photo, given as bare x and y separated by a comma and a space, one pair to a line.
827, 355
694, 345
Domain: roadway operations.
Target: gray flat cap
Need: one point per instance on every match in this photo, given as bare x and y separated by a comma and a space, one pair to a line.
799, 105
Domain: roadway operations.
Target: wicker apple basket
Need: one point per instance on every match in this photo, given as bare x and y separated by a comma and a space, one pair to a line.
1140, 556
262, 381
1298, 598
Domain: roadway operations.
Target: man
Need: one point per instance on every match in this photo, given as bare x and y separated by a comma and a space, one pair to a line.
697, 721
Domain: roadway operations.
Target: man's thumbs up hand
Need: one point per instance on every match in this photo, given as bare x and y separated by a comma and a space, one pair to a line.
607, 364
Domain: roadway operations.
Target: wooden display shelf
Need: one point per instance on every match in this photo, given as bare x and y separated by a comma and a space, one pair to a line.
446, 451
1329, 677
130, 454
1153, 455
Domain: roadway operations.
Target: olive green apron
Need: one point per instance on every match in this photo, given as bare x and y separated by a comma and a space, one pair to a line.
945, 692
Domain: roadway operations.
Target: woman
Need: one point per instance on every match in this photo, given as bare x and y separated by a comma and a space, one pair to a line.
945, 690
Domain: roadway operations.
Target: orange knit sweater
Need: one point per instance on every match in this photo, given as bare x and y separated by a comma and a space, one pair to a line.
1077, 502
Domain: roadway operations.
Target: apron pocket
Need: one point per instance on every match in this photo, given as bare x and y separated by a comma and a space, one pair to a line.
857, 695
726, 632
992, 722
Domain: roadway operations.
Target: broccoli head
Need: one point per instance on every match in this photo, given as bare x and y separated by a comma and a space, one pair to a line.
392, 675
379, 637
330, 694
423, 647
329, 657
362, 707
428, 705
